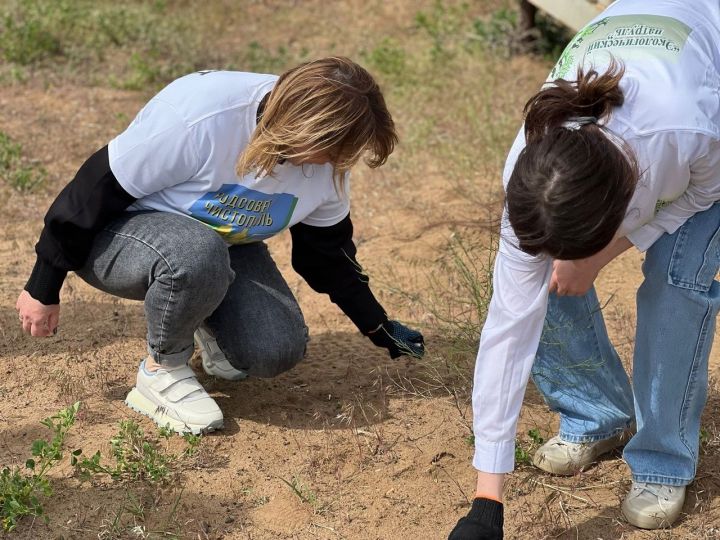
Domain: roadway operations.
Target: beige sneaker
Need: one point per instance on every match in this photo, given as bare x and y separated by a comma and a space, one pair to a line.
653, 506
566, 458
214, 361
176, 399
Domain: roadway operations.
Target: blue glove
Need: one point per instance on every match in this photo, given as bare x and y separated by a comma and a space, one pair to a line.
398, 339
483, 522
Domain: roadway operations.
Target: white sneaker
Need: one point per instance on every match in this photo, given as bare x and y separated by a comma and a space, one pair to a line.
566, 458
653, 506
175, 398
214, 361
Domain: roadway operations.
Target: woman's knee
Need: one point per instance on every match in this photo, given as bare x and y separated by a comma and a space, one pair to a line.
266, 358
203, 265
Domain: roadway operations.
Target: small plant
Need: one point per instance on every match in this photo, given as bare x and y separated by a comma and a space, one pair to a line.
304, 493
14, 169
136, 457
193, 442
523, 453
20, 489
537, 439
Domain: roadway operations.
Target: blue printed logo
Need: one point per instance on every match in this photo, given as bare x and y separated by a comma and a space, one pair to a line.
242, 215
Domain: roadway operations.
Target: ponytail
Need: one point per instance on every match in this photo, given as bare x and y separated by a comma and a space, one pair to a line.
592, 95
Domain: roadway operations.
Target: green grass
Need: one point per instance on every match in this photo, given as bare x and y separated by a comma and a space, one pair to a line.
22, 488
136, 457
128, 44
15, 169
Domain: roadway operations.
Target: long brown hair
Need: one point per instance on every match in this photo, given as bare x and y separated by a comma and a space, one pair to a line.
571, 184
331, 106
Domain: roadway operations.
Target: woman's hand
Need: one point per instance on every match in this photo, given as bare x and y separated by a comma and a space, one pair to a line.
575, 278
36, 318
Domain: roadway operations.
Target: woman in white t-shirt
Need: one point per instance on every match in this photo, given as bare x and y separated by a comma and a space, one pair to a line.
620, 148
174, 210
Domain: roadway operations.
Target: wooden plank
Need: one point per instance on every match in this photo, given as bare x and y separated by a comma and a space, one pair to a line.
573, 13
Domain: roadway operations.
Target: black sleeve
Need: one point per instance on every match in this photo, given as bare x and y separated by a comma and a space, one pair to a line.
90, 201
325, 258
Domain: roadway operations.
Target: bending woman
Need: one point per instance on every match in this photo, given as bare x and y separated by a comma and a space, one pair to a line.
174, 212
626, 155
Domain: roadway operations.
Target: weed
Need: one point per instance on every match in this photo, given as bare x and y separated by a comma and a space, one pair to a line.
15, 169
524, 452
306, 495
522, 456
135, 456
535, 436
20, 490
193, 442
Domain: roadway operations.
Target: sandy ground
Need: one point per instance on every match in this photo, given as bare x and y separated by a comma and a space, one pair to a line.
375, 456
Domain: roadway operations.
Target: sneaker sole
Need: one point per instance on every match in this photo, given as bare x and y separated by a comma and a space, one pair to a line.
208, 369
139, 403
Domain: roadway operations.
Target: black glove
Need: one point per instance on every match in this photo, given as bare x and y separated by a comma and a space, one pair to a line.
483, 522
398, 339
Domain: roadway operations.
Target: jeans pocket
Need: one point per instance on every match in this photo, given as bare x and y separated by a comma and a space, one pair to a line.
695, 257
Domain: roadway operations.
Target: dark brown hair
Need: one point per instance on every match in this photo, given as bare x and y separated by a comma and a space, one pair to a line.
329, 106
571, 185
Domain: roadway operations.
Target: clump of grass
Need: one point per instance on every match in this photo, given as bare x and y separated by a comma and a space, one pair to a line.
388, 57
442, 23
15, 169
260, 59
21, 488
135, 457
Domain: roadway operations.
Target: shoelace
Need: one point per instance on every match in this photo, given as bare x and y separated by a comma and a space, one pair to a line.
657, 490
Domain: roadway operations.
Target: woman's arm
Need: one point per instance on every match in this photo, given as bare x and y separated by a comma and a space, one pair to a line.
326, 258
83, 207
86, 204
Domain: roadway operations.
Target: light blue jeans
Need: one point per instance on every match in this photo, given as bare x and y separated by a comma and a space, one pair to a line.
581, 377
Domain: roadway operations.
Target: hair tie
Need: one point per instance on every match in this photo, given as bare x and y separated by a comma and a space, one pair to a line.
576, 122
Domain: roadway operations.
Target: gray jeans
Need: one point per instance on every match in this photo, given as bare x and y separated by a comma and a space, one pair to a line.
187, 276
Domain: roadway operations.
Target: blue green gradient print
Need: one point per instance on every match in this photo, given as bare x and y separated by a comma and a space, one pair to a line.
623, 37
242, 215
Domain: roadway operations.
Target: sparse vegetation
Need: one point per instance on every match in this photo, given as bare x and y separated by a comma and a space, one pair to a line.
22, 488
348, 444
135, 456
15, 169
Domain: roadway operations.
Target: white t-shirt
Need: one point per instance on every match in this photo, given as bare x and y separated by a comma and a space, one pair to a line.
671, 120
179, 155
